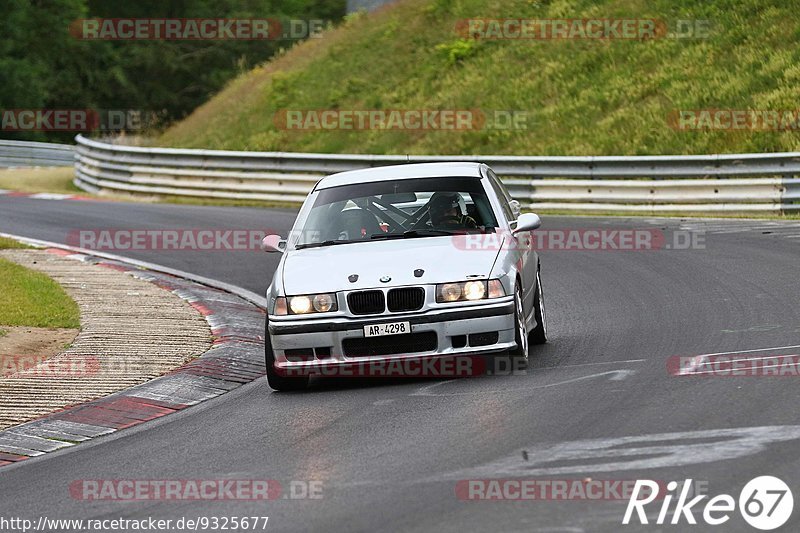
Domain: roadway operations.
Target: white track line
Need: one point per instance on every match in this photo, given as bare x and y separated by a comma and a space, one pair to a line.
588, 364
616, 375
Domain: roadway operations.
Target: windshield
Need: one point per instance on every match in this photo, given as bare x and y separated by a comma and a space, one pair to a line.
408, 208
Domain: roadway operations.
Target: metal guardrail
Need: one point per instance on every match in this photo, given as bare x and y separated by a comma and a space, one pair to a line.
35, 154
648, 184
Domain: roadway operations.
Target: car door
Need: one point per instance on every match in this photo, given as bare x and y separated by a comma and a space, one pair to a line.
528, 256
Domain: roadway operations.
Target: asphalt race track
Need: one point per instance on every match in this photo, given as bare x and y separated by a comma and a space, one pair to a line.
390, 454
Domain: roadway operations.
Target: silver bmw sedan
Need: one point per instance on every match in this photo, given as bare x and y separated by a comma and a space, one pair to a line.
398, 263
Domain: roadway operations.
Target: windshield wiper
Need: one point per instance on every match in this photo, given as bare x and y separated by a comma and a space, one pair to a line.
378, 236
330, 242
414, 233
424, 232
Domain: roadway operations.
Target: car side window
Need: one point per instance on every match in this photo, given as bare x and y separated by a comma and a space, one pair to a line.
502, 195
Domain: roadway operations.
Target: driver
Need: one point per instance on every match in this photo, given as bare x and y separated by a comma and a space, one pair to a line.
445, 211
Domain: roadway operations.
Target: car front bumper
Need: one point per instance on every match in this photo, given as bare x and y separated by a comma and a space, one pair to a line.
464, 330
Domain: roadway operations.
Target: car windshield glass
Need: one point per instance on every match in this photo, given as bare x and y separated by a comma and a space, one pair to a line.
407, 208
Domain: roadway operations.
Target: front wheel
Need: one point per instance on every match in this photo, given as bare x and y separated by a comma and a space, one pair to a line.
521, 330
275, 380
539, 333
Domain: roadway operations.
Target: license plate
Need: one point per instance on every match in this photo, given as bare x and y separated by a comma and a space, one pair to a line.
392, 328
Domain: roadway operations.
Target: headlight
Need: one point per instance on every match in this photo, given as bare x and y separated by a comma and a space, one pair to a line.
474, 290
469, 291
300, 305
448, 292
305, 304
323, 303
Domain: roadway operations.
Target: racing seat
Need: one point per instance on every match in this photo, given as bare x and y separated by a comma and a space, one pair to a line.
356, 224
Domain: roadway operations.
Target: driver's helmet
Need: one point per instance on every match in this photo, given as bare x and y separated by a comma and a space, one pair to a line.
443, 204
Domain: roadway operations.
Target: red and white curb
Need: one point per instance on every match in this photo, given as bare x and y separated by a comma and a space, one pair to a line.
236, 358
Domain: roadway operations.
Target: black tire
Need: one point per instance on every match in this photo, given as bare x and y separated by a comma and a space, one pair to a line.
275, 380
520, 329
539, 333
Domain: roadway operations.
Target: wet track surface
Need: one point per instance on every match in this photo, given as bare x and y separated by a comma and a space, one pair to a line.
390, 454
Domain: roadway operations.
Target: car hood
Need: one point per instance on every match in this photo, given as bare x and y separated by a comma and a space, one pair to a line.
327, 269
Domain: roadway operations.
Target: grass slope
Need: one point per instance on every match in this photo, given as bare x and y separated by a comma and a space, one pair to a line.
31, 298
582, 96
40, 179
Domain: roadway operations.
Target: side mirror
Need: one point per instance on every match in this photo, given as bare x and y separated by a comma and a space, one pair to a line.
527, 222
273, 243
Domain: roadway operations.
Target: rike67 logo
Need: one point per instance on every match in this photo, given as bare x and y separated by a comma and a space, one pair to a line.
765, 503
